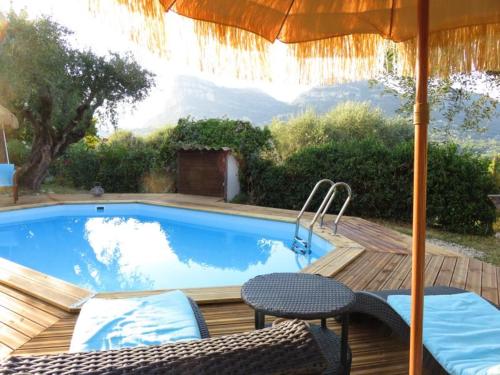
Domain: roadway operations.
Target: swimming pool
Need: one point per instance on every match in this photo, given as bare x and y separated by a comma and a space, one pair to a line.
118, 247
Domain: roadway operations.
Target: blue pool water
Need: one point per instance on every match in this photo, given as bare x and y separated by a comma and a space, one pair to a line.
142, 247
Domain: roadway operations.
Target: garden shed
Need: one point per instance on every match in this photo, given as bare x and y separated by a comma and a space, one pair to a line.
208, 171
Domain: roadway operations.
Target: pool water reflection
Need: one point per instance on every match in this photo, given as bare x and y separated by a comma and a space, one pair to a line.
141, 247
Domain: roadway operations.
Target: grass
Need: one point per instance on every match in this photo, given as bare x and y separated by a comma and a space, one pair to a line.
489, 245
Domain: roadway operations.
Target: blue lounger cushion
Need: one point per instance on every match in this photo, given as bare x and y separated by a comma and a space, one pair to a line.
7, 174
462, 331
106, 324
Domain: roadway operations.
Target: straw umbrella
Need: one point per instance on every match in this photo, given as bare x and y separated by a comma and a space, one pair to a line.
439, 37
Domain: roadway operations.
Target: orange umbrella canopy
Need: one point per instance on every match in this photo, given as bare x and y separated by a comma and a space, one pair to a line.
354, 37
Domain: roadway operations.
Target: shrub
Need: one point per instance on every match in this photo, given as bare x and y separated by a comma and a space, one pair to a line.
78, 167
120, 164
381, 179
123, 163
458, 188
244, 138
346, 122
19, 151
495, 171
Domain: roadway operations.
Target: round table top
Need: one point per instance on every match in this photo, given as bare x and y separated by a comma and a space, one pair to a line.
297, 295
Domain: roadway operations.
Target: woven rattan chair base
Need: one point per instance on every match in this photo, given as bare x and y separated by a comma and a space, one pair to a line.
292, 347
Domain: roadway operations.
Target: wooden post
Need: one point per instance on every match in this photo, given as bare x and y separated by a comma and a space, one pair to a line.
421, 121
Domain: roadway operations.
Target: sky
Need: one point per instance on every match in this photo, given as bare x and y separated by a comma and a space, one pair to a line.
103, 32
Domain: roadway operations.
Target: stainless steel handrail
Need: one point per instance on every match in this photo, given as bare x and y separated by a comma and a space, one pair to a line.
344, 206
308, 201
321, 212
307, 244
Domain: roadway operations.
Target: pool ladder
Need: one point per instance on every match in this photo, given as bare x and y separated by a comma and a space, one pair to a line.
302, 246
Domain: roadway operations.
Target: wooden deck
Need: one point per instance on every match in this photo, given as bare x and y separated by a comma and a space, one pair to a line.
368, 257
375, 350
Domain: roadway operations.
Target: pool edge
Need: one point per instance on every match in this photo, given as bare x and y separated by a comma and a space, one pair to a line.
346, 251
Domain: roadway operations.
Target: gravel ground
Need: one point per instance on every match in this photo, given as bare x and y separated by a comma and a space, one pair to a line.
460, 249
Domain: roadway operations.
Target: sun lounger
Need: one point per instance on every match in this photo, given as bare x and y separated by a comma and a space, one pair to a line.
290, 347
461, 329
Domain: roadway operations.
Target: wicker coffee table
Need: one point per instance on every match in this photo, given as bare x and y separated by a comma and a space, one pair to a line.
301, 296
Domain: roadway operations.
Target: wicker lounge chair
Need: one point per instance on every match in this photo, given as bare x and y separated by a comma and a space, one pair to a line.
375, 304
290, 347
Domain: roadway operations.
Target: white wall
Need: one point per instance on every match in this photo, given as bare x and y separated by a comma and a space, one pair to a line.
232, 179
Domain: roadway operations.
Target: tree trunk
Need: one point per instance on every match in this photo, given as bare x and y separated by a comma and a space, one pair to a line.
49, 144
35, 170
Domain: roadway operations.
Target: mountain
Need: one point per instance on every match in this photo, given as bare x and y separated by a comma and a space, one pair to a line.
198, 98
191, 96
323, 98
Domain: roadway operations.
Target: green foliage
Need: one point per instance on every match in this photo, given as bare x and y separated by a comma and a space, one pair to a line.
345, 122
372, 154
241, 136
381, 179
122, 165
458, 187
79, 166
57, 91
495, 171
118, 164
453, 97
247, 142
121, 162
18, 151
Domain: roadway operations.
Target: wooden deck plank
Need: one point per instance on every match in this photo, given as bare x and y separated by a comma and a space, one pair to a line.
23, 317
4, 351
398, 275
370, 272
201, 295
381, 277
315, 267
26, 310
20, 323
373, 236
406, 284
432, 270
31, 302
473, 282
446, 272
489, 284
331, 266
459, 277
44, 287
357, 269
11, 337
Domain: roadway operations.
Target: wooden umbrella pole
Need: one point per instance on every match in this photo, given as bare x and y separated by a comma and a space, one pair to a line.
421, 121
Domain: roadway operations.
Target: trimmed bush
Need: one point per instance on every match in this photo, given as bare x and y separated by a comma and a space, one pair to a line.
79, 166
119, 164
381, 179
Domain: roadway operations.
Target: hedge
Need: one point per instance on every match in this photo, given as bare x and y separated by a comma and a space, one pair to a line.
381, 178
379, 172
